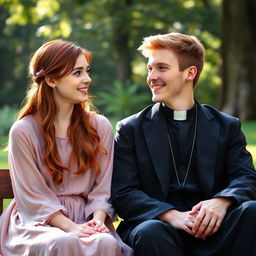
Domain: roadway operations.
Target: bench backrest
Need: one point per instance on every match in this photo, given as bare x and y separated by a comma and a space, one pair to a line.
5, 187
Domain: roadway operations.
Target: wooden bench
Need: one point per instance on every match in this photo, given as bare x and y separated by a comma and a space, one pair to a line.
5, 187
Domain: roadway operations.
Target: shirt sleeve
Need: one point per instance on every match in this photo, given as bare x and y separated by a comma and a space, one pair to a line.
36, 201
99, 196
239, 167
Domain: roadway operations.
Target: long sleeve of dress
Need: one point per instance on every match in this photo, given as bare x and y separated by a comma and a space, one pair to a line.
24, 227
35, 200
98, 198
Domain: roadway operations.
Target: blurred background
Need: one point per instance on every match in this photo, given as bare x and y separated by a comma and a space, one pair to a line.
113, 30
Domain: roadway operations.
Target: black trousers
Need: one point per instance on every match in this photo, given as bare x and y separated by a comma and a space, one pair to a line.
236, 237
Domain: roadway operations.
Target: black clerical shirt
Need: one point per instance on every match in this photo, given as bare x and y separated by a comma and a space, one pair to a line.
181, 135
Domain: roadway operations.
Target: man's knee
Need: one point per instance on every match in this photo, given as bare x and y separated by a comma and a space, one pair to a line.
152, 231
249, 209
154, 237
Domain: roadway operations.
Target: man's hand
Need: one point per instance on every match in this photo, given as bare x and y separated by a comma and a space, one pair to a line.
179, 220
209, 216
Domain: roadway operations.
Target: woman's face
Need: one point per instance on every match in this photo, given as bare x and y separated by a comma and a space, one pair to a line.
73, 88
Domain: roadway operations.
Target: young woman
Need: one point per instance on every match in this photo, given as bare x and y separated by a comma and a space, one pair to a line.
60, 160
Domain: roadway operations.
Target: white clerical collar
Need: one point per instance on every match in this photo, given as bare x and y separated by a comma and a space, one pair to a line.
180, 115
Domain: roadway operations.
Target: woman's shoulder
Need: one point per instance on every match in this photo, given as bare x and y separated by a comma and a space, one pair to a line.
23, 127
100, 121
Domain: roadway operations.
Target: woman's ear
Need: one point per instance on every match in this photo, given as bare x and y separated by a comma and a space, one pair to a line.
50, 81
191, 73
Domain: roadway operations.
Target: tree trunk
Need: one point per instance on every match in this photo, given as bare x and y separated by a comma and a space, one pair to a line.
121, 24
239, 58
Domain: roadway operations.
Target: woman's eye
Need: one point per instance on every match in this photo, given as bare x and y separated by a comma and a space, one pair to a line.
77, 73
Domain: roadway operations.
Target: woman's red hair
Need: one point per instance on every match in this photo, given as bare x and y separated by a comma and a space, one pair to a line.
56, 59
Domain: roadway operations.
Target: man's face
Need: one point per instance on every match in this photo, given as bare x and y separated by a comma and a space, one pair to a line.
166, 82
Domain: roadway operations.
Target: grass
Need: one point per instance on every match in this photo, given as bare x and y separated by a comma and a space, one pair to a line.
6, 202
3, 160
249, 129
3, 154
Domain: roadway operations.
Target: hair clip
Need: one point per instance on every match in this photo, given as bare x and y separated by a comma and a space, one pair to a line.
39, 74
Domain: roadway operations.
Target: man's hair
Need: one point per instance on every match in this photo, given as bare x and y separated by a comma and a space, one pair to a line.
188, 49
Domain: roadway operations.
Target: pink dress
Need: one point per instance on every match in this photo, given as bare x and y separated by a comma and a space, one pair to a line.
24, 230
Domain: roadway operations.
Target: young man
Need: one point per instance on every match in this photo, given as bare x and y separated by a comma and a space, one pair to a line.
183, 181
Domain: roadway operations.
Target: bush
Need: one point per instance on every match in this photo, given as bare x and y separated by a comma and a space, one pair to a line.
122, 100
7, 116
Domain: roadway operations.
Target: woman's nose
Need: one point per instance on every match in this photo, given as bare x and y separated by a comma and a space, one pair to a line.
87, 79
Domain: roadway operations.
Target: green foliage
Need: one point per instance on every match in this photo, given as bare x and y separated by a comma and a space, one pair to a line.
122, 100
249, 128
3, 159
208, 88
6, 202
97, 26
3, 153
7, 117
209, 85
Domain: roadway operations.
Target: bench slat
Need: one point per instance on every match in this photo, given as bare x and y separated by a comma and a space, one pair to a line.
5, 187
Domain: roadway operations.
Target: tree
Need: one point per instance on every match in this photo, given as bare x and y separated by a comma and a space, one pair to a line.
19, 21
112, 30
239, 58
121, 16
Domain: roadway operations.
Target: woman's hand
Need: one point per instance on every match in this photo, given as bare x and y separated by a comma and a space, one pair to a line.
98, 222
83, 230
98, 226
94, 226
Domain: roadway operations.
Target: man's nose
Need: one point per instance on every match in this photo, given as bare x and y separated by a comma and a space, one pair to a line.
153, 75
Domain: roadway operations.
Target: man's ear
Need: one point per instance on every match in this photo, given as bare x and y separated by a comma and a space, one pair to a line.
50, 81
190, 73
